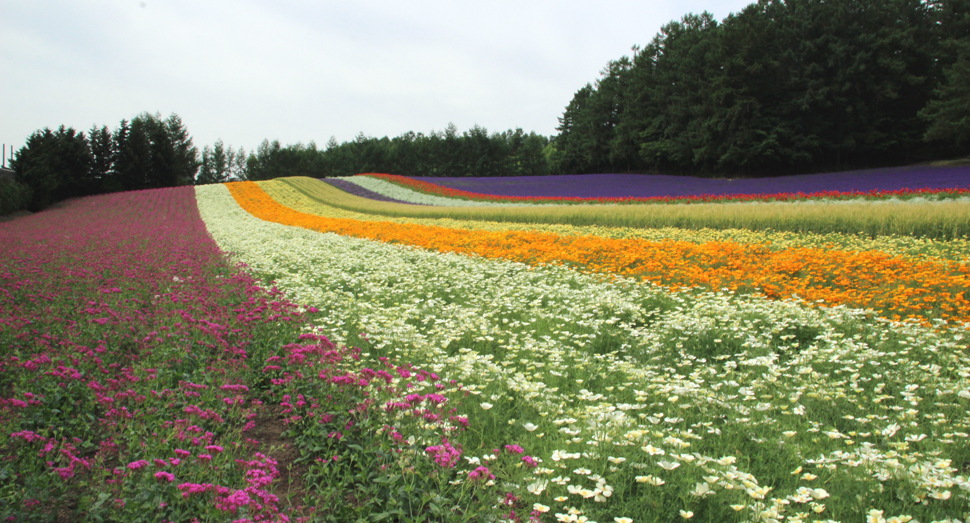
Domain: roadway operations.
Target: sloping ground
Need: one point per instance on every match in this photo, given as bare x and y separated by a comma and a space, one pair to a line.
149, 379
896, 287
612, 400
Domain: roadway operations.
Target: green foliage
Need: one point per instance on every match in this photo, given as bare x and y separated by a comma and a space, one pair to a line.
780, 87
55, 165
14, 196
446, 153
949, 111
219, 164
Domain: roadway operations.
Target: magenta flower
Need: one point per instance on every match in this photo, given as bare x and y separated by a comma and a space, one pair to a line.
444, 455
135, 465
480, 474
168, 477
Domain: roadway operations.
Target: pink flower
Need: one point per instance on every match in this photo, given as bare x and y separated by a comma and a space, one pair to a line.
194, 488
166, 476
480, 474
135, 465
444, 455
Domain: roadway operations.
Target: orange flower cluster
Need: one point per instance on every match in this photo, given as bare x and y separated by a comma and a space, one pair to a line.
896, 287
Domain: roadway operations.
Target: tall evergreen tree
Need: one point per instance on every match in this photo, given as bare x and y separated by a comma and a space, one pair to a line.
184, 153
55, 165
949, 111
102, 156
132, 155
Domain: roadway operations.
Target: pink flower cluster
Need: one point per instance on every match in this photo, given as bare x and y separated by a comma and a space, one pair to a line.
260, 504
480, 474
444, 455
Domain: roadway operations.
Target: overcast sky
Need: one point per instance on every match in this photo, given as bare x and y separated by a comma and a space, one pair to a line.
301, 71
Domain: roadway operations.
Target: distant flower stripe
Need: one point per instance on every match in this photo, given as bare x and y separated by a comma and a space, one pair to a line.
357, 190
646, 185
441, 190
896, 287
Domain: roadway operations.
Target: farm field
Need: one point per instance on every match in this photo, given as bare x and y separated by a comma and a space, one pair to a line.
945, 216
354, 359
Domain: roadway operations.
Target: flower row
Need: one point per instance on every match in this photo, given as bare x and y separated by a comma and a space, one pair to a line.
896, 287
908, 246
429, 188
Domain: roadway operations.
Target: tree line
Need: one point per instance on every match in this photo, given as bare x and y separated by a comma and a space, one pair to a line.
151, 152
440, 153
147, 152
784, 86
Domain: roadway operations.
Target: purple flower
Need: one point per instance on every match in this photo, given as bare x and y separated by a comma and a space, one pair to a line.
654, 185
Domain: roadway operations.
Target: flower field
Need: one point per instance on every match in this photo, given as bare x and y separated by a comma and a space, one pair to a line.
635, 401
898, 179
943, 218
900, 182
346, 365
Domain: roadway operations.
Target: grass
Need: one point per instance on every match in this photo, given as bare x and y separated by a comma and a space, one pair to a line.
941, 220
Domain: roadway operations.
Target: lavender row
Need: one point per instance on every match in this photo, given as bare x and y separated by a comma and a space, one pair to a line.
357, 190
658, 185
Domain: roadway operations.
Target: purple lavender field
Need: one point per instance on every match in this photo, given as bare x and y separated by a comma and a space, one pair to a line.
651, 185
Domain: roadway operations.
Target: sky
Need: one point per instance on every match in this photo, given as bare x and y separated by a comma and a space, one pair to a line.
299, 71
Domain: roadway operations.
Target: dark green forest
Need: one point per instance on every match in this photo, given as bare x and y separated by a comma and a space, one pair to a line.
439, 153
792, 86
146, 153
782, 87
